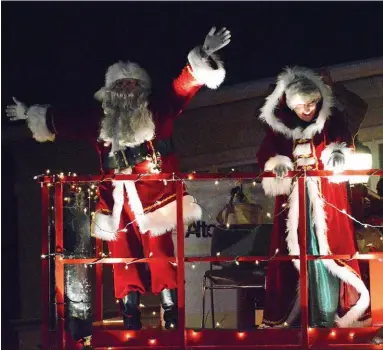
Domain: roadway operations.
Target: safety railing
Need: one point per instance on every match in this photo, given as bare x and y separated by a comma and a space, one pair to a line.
183, 338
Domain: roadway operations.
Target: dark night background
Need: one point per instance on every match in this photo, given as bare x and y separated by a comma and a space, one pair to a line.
57, 52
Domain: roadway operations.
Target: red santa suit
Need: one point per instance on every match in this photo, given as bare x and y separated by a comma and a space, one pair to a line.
137, 217
309, 147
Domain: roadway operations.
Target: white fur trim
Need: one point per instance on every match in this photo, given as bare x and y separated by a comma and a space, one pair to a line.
326, 155
357, 324
37, 123
126, 70
292, 224
99, 95
342, 272
302, 149
105, 226
163, 219
203, 72
335, 147
267, 111
273, 186
305, 161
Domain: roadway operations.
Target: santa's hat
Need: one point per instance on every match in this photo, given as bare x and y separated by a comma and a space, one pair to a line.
301, 90
124, 70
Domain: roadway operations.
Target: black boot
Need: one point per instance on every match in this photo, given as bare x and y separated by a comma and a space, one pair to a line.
170, 307
130, 311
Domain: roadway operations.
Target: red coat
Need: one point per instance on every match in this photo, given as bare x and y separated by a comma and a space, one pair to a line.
153, 202
308, 147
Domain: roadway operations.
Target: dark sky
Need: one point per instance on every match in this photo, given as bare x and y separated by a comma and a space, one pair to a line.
56, 52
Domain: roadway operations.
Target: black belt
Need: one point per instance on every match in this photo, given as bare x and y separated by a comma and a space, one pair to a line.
130, 156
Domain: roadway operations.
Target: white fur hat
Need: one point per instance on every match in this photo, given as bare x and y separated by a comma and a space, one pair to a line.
124, 70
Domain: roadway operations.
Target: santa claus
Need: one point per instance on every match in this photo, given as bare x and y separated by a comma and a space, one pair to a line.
306, 132
132, 129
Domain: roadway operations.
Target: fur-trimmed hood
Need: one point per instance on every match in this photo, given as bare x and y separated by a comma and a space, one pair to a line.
273, 101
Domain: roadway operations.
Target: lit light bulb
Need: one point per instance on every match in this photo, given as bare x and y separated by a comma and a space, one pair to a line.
284, 205
285, 324
190, 177
276, 251
126, 266
256, 262
217, 324
218, 254
193, 266
48, 171
241, 335
152, 341
43, 256
172, 325
268, 215
74, 174
150, 254
227, 225
232, 169
351, 335
154, 313
216, 182
333, 333
237, 262
35, 177
343, 211
141, 305
254, 183
117, 301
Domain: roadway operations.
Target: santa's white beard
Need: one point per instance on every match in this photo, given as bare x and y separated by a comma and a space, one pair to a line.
127, 120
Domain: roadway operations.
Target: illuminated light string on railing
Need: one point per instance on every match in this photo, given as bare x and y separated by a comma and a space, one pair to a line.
175, 178
344, 211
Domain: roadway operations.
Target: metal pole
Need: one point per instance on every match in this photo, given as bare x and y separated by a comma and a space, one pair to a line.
59, 269
45, 265
180, 264
303, 261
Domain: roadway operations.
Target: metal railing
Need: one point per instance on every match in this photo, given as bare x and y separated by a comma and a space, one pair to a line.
183, 338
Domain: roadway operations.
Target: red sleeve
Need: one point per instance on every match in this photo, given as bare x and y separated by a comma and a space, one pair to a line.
268, 148
338, 130
74, 123
181, 91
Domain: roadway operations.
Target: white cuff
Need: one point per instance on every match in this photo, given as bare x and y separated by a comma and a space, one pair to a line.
273, 186
105, 226
202, 70
37, 123
325, 157
164, 219
335, 147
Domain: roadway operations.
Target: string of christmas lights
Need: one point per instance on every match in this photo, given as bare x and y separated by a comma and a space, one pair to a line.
175, 178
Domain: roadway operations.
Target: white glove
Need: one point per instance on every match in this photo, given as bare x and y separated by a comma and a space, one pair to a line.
281, 171
17, 111
216, 41
337, 161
